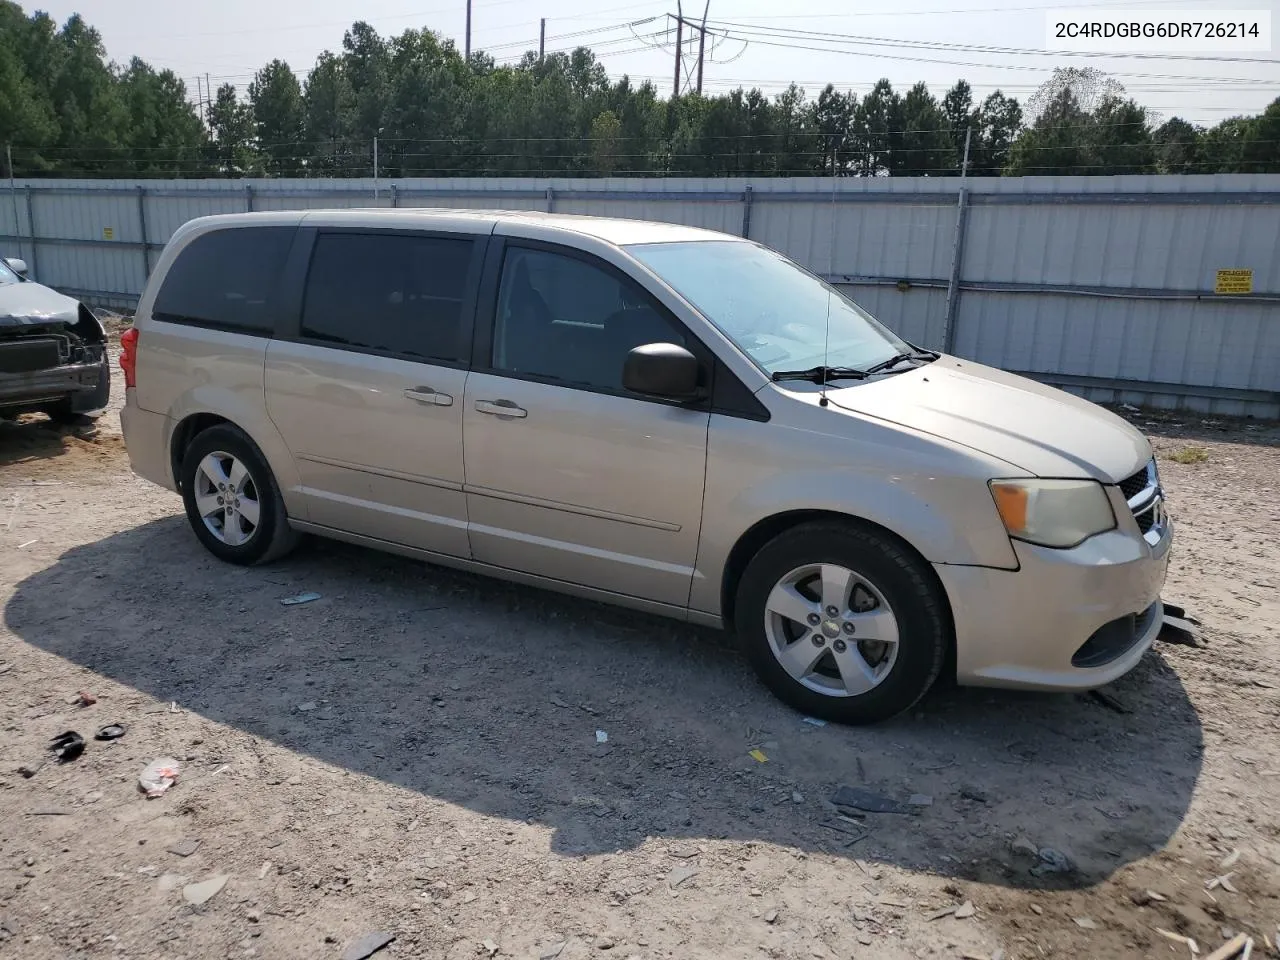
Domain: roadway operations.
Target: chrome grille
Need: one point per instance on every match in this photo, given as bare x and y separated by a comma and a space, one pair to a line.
1145, 497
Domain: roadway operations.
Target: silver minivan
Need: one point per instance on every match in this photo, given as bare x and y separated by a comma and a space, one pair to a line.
665, 418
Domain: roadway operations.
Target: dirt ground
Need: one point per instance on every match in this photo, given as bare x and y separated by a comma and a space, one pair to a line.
416, 753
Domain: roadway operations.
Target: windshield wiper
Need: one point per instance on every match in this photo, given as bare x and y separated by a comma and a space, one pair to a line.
926, 355
821, 374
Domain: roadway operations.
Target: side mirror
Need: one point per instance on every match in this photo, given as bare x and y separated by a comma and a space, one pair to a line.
17, 265
661, 370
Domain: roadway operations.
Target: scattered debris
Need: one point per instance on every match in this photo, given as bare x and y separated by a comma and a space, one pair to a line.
680, 875
1232, 948
158, 776
29, 770
944, 912
185, 848
307, 707
1037, 909
67, 746
49, 812
168, 882
93, 796
23, 546
1223, 881
557, 702
797, 796
265, 869
368, 945
602, 737
758, 756
112, 731
965, 910
1024, 846
1179, 938
1180, 628
920, 800
491, 948
1084, 923
605, 943
1230, 860
1108, 701
198, 894
83, 699
971, 792
553, 951
860, 799
5, 668
1051, 861
300, 598
1144, 897
813, 721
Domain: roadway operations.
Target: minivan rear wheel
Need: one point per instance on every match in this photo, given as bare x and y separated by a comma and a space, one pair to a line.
232, 500
842, 622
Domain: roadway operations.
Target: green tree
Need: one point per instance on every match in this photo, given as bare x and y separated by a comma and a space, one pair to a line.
279, 118
164, 135
925, 145
606, 143
957, 105
233, 147
329, 104
1177, 147
1260, 151
1056, 143
998, 124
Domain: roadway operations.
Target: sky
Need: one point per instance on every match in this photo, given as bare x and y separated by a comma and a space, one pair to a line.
755, 42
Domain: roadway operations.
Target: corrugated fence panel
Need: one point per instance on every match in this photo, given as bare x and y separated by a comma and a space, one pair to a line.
1105, 283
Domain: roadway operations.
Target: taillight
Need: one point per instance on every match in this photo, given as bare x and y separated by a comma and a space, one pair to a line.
129, 356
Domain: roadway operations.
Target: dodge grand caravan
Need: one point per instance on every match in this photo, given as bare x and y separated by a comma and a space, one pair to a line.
665, 418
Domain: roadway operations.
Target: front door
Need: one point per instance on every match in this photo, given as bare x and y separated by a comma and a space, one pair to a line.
568, 476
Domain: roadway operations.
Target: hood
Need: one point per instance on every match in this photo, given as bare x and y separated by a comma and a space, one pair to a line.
1045, 431
25, 304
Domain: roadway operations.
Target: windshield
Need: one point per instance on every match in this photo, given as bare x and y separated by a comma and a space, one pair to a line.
6, 275
773, 309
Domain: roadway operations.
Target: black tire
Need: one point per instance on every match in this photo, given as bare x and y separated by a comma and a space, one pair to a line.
272, 537
907, 585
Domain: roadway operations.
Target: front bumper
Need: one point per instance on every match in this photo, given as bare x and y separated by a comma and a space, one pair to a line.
52, 384
1024, 628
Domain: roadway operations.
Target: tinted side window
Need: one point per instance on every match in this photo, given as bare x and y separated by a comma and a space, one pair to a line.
225, 279
391, 292
566, 319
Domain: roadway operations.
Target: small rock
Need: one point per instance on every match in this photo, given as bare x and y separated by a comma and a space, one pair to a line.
965, 910
308, 706
797, 796
605, 943
1084, 923
1025, 847
865, 940
553, 951
366, 946
1037, 910
185, 848
771, 917
680, 875
490, 947
265, 869
970, 792
1052, 861
198, 894
93, 796
253, 916
753, 892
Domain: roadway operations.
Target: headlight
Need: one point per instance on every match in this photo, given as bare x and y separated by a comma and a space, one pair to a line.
1053, 513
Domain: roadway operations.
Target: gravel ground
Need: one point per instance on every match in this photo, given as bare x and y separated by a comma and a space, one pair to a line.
417, 753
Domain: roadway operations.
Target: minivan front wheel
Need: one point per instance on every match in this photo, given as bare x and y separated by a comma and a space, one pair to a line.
231, 498
842, 622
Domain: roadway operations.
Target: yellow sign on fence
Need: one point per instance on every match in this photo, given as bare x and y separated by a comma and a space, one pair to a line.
1234, 281
108, 233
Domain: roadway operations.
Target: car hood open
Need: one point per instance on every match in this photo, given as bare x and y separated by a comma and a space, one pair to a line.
1045, 431
28, 304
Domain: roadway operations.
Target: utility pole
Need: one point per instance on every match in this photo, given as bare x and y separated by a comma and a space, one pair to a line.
702, 43
542, 40
679, 47
375, 170
468, 46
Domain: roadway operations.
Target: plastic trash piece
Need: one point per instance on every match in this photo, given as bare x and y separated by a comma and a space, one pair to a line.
67, 746
813, 721
300, 598
367, 945
112, 731
758, 756
861, 799
602, 737
158, 776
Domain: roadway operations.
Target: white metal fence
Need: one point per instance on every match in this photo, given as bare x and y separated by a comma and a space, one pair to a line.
1109, 286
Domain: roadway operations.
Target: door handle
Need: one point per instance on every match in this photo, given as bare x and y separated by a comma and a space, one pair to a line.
501, 408
427, 395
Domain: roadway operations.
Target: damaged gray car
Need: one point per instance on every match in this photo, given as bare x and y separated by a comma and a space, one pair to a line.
53, 351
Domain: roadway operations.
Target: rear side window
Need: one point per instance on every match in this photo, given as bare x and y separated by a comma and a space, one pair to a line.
389, 293
225, 279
